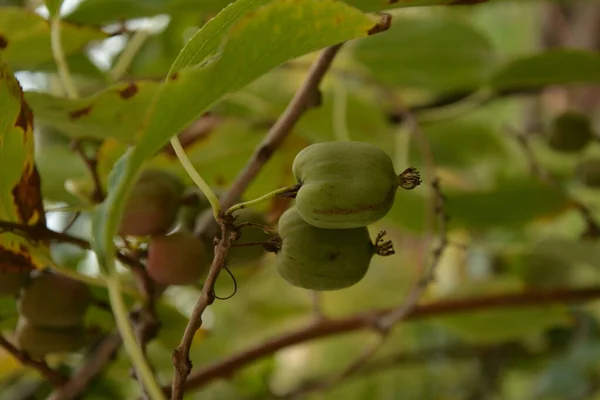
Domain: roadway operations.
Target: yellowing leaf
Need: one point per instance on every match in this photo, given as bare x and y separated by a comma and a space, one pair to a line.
20, 196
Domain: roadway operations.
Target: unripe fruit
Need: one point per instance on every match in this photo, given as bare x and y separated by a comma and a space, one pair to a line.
570, 132
323, 259
177, 259
38, 342
12, 282
54, 301
588, 172
152, 205
347, 184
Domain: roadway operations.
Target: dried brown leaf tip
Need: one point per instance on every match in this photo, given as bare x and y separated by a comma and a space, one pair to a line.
15, 260
383, 25
80, 112
28, 198
3, 42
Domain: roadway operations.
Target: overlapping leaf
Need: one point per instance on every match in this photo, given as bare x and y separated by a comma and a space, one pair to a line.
20, 196
25, 38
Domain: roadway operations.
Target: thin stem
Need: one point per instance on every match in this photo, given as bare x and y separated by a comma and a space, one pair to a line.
52, 376
279, 192
198, 180
134, 350
60, 59
339, 115
134, 45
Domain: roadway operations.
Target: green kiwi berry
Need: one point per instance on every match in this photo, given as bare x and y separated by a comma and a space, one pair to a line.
54, 301
152, 205
347, 184
12, 282
38, 341
588, 172
570, 132
177, 259
323, 259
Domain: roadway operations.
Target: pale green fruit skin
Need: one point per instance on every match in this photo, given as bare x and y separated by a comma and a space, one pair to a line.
344, 184
177, 259
321, 259
38, 342
54, 301
12, 282
152, 205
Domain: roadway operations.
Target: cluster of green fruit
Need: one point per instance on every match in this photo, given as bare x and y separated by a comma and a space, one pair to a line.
161, 208
343, 188
51, 311
572, 132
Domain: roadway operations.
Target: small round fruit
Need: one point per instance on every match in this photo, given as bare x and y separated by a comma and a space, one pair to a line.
38, 342
54, 301
347, 184
177, 259
570, 132
322, 259
12, 282
588, 172
152, 205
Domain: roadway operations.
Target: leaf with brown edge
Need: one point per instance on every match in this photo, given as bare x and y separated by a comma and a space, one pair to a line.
20, 194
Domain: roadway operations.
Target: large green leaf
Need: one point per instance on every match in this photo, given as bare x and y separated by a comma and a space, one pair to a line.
554, 67
113, 113
256, 43
432, 53
20, 195
25, 38
100, 12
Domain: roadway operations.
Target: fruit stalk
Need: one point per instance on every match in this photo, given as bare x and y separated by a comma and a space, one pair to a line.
287, 191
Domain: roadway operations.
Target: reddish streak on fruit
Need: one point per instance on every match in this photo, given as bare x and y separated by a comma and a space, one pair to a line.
359, 209
15, 262
129, 91
28, 198
3, 42
76, 114
383, 25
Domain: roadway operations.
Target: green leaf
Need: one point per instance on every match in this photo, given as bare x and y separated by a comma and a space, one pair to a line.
20, 195
501, 325
556, 67
262, 39
440, 54
113, 113
25, 38
509, 204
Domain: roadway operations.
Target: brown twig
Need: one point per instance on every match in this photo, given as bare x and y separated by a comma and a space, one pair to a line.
321, 328
181, 355
94, 366
42, 233
55, 378
91, 163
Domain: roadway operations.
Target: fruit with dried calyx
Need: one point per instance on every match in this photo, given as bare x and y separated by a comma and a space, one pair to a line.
570, 132
347, 184
54, 301
177, 259
152, 205
12, 282
588, 172
38, 341
324, 259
